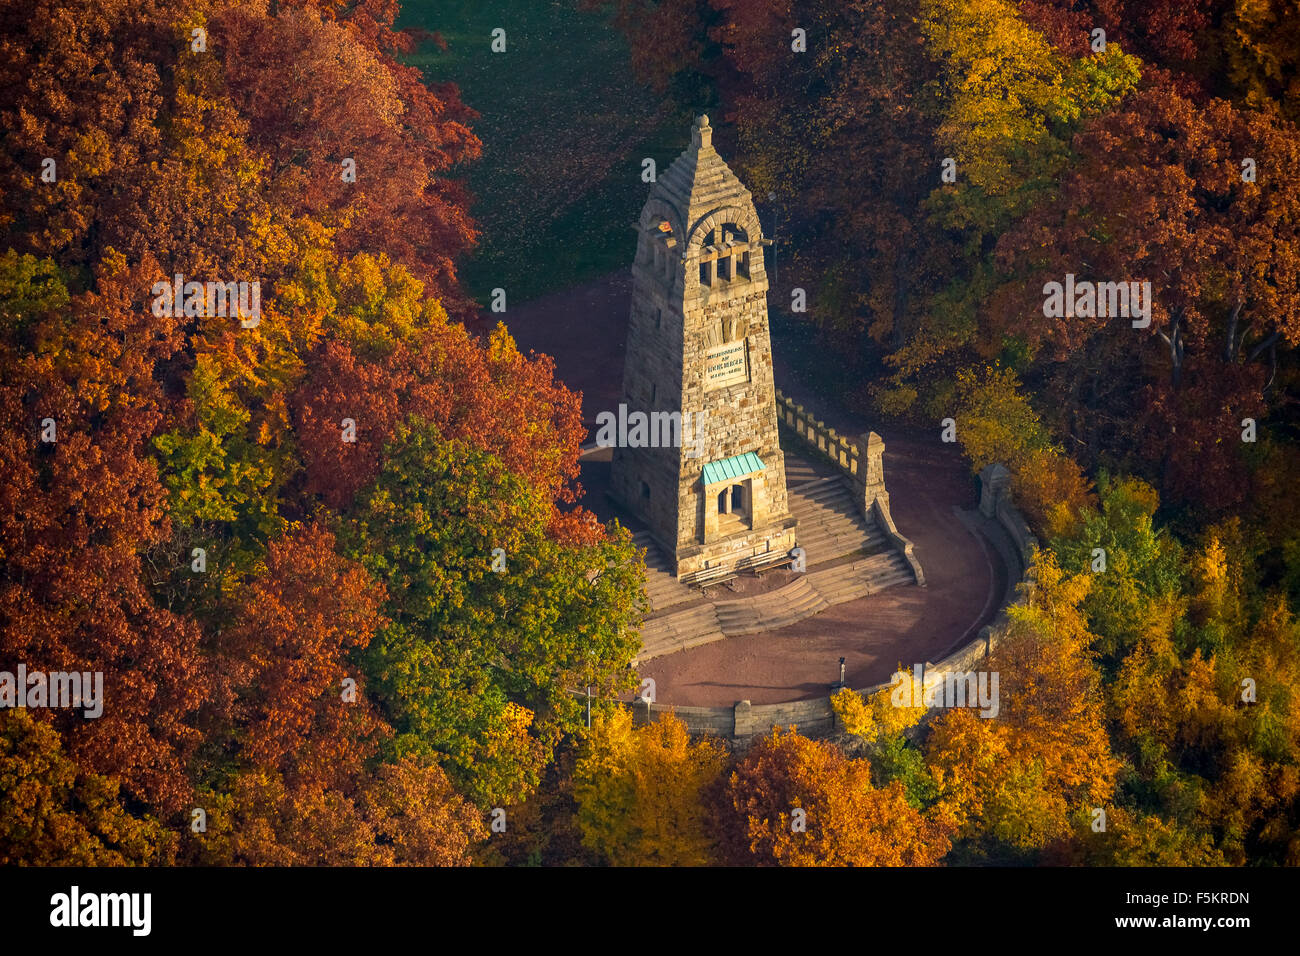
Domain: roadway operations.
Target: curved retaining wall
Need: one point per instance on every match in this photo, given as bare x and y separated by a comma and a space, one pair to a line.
741, 724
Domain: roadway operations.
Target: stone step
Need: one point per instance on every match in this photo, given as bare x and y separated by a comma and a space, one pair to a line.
656, 576
853, 589
822, 488
678, 631
800, 472
829, 524
770, 611
875, 563
832, 533
826, 489
669, 590
825, 549
812, 518
664, 602
662, 587
811, 528
820, 492
798, 591
830, 527
824, 496
837, 500
671, 625
745, 617
689, 621
801, 599
862, 578
812, 511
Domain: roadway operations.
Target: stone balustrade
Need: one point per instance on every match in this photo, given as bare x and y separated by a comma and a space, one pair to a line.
818, 435
861, 461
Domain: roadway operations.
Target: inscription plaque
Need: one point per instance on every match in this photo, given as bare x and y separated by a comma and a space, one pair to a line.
726, 364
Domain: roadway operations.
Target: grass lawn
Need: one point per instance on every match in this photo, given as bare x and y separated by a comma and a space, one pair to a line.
564, 129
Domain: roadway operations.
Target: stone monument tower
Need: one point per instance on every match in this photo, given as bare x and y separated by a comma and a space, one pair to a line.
698, 347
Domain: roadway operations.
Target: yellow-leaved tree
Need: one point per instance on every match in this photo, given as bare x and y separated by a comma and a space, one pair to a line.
879, 715
639, 792
1017, 779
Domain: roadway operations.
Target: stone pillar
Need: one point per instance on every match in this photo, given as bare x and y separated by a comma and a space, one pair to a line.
711, 512
744, 720
757, 500
994, 483
871, 471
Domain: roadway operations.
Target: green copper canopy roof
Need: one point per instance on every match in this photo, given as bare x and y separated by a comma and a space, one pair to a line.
737, 466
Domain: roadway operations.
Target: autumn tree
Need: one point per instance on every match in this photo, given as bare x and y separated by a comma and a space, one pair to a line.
881, 714
792, 801
297, 777
878, 724
1223, 295
1005, 106
406, 814
820, 129
1008, 96
174, 536
544, 829
1173, 33
387, 352
1012, 782
1132, 838
293, 693
1133, 564
54, 814
77, 510
640, 792
477, 664
1263, 37
996, 423
359, 104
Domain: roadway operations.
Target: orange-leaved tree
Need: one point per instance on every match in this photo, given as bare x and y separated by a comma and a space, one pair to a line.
792, 801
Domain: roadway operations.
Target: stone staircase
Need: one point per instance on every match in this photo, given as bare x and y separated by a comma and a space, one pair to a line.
830, 525
662, 587
680, 630
800, 471
861, 578
803, 597
766, 612
848, 558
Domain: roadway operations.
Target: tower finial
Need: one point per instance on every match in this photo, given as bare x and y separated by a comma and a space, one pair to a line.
701, 132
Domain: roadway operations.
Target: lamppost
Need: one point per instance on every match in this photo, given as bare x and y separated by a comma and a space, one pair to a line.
840, 685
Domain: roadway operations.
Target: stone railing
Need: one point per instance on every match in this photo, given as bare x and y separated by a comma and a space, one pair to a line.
744, 722
885, 520
830, 443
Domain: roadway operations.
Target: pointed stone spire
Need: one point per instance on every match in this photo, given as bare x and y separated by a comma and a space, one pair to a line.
699, 179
